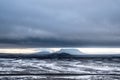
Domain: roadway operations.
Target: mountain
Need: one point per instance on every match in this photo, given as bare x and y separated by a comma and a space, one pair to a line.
71, 51
66, 53
60, 55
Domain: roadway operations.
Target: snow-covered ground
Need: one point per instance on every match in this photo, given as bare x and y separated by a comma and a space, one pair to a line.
86, 77
82, 66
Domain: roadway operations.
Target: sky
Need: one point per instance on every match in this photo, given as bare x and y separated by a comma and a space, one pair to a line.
59, 23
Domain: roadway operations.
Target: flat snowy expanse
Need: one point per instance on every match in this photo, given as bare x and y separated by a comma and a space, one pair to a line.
81, 66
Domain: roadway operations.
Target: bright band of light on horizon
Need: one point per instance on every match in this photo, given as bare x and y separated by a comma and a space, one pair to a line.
84, 50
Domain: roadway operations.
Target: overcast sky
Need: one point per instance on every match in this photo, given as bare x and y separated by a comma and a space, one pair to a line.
59, 23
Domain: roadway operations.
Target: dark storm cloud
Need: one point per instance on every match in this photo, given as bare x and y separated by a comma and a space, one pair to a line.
55, 23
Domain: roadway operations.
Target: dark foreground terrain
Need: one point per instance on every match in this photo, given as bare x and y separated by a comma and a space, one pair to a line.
82, 69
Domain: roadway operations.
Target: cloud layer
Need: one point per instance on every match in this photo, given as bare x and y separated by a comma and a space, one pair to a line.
60, 23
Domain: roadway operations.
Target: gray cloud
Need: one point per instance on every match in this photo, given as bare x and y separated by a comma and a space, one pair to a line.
48, 23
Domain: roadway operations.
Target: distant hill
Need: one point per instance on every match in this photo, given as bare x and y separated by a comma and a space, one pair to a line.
60, 55
71, 51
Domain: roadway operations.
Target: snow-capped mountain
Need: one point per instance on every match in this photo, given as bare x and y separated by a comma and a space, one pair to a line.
71, 51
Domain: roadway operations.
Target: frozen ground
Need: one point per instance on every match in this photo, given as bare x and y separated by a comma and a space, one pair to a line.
81, 66
88, 77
